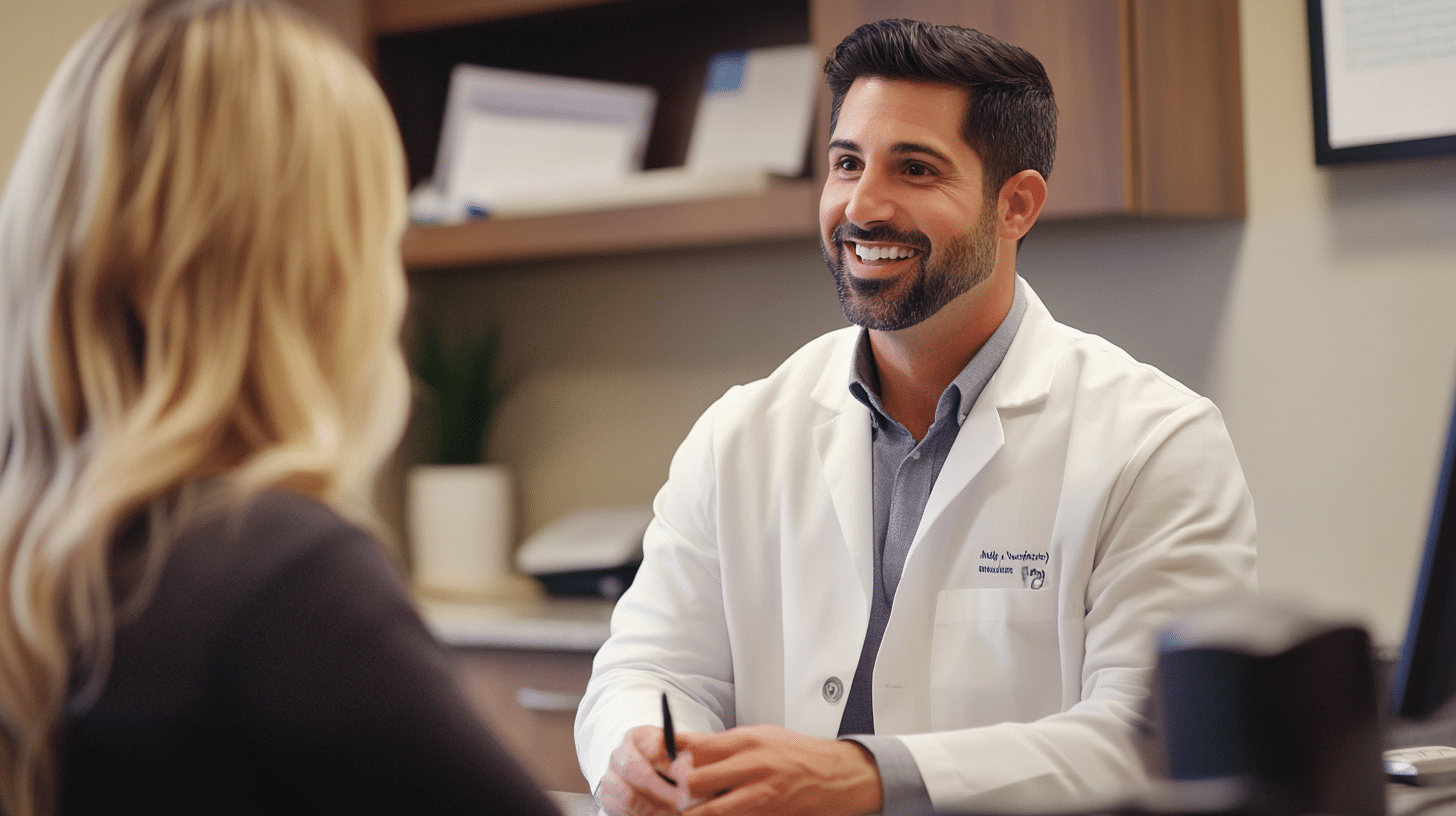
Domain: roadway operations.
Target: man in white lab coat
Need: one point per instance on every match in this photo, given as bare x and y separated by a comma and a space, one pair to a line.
919, 566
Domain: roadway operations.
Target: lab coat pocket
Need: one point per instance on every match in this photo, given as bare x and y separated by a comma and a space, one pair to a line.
994, 657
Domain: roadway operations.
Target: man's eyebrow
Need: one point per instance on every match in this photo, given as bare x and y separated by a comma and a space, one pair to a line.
907, 148
899, 149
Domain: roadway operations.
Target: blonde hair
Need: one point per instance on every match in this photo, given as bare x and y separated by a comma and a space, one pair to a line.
202, 294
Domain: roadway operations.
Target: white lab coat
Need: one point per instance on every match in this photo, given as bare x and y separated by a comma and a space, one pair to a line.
1012, 689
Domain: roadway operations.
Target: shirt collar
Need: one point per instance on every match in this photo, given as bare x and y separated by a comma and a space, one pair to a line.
963, 391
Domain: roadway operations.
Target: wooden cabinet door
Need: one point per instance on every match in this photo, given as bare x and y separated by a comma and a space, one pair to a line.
1147, 93
1189, 107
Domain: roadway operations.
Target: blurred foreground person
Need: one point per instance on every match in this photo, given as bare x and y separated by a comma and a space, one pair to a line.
200, 378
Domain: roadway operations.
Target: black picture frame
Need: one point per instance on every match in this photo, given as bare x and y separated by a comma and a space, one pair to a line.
1324, 153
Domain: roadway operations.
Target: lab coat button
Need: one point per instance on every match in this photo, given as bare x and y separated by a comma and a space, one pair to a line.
833, 689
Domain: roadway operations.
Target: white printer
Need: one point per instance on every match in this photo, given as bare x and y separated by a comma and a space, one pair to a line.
595, 551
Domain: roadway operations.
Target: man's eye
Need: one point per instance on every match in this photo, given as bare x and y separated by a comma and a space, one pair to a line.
846, 163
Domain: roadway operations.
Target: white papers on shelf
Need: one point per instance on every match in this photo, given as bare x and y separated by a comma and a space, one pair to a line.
515, 144
512, 133
756, 111
662, 186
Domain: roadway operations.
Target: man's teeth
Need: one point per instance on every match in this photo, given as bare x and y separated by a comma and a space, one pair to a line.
882, 253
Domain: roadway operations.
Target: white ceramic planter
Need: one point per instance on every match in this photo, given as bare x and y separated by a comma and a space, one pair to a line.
461, 520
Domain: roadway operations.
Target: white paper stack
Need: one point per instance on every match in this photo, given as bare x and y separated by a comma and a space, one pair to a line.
756, 112
664, 185
509, 134
516, 144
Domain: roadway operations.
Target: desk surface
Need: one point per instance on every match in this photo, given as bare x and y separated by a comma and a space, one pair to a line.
552, 623
1401, 800
574, 804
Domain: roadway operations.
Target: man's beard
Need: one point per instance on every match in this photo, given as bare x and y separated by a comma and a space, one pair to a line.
940, 277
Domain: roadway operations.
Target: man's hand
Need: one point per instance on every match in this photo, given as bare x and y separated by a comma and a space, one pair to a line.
770, 771
631, 786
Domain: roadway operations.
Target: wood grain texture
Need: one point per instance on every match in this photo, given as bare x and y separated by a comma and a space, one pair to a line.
1080, 43
395, 16
1148, 93
1190, 127
788, 210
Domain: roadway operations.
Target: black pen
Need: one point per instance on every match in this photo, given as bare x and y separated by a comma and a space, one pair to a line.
667, 735
668, 738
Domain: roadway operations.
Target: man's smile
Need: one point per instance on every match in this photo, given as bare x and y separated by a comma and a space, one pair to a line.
873, 253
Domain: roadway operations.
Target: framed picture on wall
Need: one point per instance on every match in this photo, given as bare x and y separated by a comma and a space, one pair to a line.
1384, 78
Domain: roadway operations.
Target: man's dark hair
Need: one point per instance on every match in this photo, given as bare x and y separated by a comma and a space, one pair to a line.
1011, 117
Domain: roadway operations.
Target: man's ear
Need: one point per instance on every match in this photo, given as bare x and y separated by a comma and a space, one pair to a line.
1019, 203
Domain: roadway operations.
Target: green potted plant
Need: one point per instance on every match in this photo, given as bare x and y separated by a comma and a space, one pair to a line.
463, 386
460, 506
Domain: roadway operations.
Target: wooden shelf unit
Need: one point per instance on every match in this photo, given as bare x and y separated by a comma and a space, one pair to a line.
786, 211
1148, 92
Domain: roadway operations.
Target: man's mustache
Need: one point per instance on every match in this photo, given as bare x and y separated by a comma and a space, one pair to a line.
882, 234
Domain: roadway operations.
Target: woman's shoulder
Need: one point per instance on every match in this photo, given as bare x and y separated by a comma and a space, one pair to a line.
223, 563
266, 533
282, 517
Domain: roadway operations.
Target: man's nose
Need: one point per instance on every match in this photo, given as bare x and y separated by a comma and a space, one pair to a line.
870, 202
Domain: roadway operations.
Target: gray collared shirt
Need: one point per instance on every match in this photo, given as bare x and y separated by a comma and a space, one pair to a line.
904, 471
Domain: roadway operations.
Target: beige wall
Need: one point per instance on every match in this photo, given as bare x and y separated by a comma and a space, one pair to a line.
1336, 355
1321, 324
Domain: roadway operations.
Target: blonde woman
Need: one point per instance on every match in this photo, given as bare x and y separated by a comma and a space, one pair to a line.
199, 379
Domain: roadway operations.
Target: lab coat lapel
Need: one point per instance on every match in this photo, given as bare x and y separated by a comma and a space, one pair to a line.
977, 441
1023, 377
842, 441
